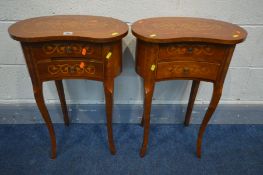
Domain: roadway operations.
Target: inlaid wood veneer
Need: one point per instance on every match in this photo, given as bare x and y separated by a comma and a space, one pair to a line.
197, 49
71, 47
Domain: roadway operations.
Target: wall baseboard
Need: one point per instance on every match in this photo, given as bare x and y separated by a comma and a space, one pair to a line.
129, 113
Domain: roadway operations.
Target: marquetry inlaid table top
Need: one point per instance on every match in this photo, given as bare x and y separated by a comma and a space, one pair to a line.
71, 27
178, 29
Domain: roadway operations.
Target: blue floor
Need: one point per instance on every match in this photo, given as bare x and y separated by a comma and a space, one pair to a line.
82, 149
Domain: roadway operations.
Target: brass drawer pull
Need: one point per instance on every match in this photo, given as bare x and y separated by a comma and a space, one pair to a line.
190, 50
68, 50
186, 69
72, 69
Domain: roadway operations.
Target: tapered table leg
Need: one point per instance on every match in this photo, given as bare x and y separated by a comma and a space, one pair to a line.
194, 89
217, 91
38, 93
148, 93
109, 91
61, 95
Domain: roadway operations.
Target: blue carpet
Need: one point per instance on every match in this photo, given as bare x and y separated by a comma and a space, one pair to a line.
82, 149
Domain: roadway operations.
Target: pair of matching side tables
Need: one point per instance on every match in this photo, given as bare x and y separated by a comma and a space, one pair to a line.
90, 47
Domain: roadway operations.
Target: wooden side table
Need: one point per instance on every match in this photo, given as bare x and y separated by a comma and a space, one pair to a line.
71, 47
184, 48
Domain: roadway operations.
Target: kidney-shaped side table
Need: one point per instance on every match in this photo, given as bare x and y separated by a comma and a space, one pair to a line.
184, 48
71, 47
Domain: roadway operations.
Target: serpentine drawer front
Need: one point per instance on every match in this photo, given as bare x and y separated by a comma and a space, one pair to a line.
56, 50
192, 52
86, 47
184, 48
49, 70
187, 69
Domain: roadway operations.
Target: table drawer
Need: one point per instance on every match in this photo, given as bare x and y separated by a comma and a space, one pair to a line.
68, 50
49, 70
187, 69
192, 52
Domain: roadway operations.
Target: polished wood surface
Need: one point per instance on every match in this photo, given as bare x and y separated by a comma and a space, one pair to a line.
69, 27
193, 93
195, 49
93, 51
61, 95
186, 29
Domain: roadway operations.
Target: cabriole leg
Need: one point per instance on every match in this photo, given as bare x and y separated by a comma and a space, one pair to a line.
38, 93
217, 91
60, 89
109, 91
194, 89
148, 93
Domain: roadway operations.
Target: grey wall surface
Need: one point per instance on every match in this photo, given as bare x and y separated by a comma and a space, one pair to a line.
244, 82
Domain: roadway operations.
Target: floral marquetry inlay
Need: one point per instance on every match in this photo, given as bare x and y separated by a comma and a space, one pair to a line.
186, 49
63, 48
69, 69
186, 69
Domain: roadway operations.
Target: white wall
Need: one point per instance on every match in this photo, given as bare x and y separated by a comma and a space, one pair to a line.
244, 83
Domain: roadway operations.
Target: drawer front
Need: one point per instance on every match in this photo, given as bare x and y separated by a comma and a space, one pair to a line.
187, 69
192, 52
68, 50
49, 70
